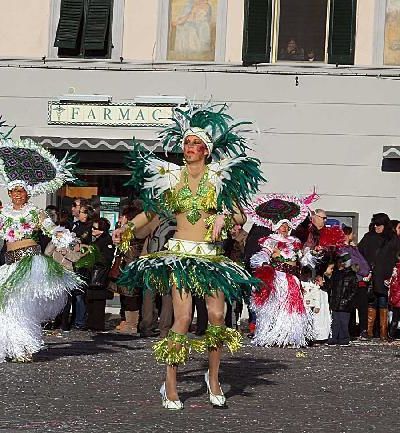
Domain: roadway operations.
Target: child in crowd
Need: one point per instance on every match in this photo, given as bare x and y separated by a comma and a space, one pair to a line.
344, 287
394, 299
311, 292
322, 320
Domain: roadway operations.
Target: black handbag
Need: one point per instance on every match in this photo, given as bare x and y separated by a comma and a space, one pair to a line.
98, 277
371, 295
96, 294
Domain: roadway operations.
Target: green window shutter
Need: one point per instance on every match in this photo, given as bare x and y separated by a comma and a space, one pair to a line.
71, 14
257, 31
97, 23
342, 31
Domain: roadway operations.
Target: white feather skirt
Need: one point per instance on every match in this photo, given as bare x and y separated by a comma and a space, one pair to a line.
282, 319
39, 295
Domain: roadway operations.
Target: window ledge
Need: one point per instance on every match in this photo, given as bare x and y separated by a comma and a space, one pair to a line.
281, 68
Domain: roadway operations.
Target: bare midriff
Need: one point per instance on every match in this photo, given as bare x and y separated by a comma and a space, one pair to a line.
191, 232
12, 246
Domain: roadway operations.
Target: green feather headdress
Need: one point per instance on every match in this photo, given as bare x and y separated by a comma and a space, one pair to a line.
219, 126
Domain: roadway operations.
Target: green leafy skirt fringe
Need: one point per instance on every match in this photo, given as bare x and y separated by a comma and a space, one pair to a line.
175, 348
199, 275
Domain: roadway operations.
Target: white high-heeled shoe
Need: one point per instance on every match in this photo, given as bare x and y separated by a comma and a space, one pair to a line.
169, 404
215, 400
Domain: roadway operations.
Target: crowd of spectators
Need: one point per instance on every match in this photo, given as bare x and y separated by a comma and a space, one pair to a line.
353, 292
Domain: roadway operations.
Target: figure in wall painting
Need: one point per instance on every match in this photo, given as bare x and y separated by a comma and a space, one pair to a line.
192, 30
392, 33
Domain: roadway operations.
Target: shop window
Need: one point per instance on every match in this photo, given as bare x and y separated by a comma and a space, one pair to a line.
84, 28
289, 30
349, 219
192, 30
391, 55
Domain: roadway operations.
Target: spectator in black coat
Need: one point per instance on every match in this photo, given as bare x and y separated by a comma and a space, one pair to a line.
83, 231
97, 287
380, 247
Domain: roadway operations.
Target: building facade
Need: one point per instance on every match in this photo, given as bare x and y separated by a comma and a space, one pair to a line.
320, 78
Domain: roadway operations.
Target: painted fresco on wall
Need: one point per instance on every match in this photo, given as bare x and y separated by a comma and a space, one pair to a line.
191, 33
392, 33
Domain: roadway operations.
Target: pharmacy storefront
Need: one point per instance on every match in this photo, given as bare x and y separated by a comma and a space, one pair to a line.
102, 161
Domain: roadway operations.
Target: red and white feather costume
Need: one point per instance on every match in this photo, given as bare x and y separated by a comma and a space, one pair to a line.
281, 318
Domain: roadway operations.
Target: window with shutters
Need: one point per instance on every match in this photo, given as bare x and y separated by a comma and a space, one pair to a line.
299, 31
84, 29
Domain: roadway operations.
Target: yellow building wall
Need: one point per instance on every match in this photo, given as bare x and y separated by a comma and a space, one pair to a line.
140, 29
365, 32
234, 31
24, 28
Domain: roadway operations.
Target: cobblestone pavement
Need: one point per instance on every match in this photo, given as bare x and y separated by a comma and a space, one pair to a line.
107, 382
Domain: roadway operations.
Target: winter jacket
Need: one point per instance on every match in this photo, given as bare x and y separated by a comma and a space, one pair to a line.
98, 275
380, 253
394, 287
106, 247
83, 232
252, 246
65, 257
344, 286
357, 259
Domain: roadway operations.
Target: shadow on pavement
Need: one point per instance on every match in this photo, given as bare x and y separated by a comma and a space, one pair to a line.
238, 376
94, 344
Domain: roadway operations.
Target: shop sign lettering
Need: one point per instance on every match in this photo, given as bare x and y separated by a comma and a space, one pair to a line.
65, 113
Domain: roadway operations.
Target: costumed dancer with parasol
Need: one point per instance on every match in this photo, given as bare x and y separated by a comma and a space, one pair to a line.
281, 318
33, 287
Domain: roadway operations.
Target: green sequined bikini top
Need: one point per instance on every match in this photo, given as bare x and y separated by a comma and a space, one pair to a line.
183, 200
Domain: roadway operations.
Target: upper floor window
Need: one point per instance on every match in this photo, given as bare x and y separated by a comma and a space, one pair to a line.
289, 30
84, 28
391, 54
301, 30
192, 30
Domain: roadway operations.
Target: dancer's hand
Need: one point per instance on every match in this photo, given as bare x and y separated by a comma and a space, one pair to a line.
276, 253
218, 226
116, 236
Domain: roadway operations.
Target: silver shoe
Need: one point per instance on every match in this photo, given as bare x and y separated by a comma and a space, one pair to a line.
169, 404
216, 400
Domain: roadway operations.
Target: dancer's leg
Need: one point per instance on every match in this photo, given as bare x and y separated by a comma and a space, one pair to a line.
215, 307
182, 304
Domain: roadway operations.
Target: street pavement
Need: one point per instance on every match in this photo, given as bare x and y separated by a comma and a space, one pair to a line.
107, 382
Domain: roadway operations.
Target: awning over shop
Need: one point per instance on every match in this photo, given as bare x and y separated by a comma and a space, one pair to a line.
120, 145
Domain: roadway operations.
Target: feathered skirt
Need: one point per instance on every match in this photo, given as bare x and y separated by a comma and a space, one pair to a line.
33, 289
281, 318
194, 267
